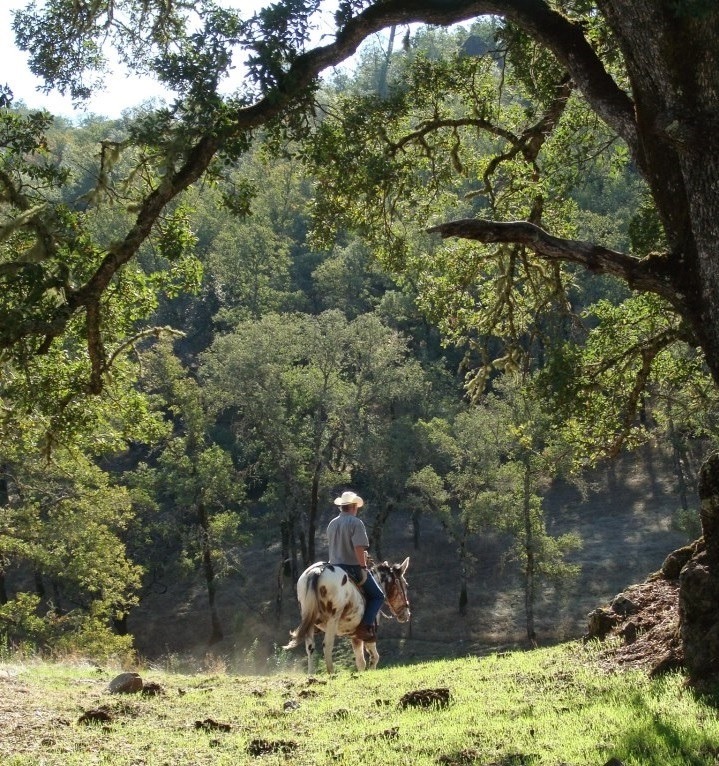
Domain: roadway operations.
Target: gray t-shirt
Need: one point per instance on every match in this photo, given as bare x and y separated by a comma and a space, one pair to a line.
343, 533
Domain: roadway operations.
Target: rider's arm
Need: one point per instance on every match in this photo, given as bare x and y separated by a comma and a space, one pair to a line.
361, 553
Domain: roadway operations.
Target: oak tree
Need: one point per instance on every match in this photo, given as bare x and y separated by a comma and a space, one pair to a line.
649, 69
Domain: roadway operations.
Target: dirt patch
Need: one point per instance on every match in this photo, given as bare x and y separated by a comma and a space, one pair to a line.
647, 637
31, 722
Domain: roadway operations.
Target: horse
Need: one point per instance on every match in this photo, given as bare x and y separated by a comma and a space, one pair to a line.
331, 602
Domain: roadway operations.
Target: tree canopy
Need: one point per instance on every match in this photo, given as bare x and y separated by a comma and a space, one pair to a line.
190, 47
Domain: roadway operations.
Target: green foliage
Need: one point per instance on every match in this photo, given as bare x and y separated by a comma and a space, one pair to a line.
64, 521
197, 63
350, 280
688, 521
76, 634
59, 58
68, 43
277, 33
486, 470
91, 637
20, 625
257, 281
633, 372
193, 479
346, 9
645, 230
530, 64
176, 239
95, 244
56, 358
464, 135
314, 401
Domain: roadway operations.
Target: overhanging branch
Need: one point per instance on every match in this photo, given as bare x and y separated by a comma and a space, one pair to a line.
564, 38
557, 32
644, 275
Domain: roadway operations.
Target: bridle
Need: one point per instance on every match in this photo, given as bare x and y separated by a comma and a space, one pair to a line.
395, 582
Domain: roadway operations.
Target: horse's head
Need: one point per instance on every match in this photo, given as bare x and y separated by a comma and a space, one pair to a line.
394, 585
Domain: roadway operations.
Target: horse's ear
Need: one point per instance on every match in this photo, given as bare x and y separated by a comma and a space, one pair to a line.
404, 565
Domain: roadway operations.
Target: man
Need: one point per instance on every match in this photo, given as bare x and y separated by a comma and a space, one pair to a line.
348, 544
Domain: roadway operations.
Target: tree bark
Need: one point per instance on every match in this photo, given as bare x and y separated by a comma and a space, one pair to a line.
699, 583
216, 634
672, 58
530, 568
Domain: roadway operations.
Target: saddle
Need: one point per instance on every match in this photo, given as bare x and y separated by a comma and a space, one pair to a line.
358, 583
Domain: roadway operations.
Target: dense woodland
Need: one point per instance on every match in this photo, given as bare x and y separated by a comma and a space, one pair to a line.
209, 328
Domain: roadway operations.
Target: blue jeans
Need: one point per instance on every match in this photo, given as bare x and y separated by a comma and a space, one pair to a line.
372, 592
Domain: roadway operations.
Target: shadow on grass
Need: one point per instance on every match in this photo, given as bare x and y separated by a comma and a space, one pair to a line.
706, 693
660, 739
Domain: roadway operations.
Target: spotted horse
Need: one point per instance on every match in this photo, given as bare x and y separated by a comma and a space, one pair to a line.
332, 603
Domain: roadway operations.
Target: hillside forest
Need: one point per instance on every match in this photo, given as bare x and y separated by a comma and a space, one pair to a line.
195, 359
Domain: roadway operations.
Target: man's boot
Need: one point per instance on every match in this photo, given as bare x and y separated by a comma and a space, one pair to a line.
366, 633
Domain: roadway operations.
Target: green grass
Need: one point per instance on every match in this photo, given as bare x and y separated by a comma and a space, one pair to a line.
549, 706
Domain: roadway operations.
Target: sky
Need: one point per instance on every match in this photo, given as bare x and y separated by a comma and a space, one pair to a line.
122, 91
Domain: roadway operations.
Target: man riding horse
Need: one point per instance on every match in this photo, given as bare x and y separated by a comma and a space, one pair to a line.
331, 602
348, 545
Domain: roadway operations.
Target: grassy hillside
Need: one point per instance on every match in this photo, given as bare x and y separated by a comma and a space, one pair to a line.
549, 706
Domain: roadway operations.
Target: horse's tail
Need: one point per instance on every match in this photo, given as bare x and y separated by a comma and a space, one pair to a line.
310, 610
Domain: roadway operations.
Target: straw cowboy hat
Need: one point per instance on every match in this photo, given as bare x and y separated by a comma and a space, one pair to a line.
349, 498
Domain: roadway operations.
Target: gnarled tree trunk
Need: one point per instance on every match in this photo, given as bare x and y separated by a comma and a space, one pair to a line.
672, 55
668, 115
699, 583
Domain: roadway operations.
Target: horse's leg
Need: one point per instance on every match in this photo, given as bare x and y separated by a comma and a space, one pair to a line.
310, 647
358, 648
328, 645
373, 654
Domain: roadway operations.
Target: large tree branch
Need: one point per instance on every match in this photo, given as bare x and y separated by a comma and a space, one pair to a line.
644, 275
430, 126
564, 38
529, 143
